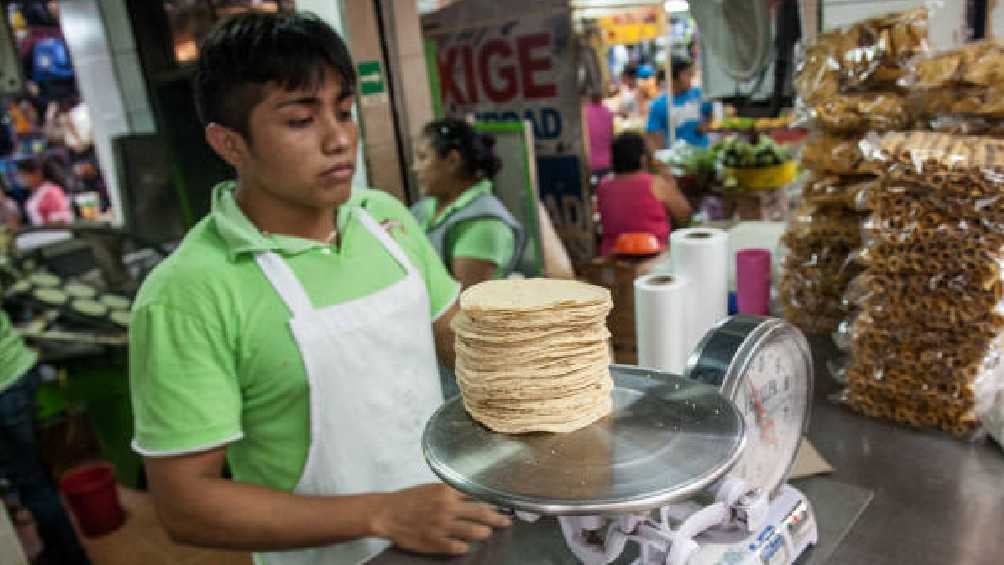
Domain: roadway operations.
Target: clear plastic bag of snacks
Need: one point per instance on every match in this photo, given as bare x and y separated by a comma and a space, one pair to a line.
844, 114
866, 55
836, 190
833, 155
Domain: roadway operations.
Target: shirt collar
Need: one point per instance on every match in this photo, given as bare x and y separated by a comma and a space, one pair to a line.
483, 186
242, 236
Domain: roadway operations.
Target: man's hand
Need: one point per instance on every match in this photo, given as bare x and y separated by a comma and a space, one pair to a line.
434, 519
443, 334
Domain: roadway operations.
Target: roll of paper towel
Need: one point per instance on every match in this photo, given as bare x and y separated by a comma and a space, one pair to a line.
660, 303
702, 256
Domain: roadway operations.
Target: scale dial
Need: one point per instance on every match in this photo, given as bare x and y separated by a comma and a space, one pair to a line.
764, 366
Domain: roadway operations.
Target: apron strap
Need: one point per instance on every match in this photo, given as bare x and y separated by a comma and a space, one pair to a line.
278, 272
388, 242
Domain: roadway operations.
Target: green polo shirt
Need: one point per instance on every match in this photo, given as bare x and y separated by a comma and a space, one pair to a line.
212, 359
488, 239
15, 357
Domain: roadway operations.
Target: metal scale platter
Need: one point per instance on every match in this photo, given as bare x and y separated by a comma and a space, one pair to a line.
667, 439
711, 450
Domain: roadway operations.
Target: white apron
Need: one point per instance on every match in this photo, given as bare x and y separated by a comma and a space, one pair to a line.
374, 383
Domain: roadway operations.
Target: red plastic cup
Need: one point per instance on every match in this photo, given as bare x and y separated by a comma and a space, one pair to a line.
94, 499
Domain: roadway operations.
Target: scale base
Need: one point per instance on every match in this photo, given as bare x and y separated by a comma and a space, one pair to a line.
790, 529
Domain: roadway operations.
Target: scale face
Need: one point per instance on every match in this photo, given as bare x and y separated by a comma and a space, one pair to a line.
667, 439
764, 366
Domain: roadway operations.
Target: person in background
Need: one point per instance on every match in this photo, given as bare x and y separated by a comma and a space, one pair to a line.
634, 200
473, 232
690, 114
45, 58
627, 97
10, 214
48, 203
647, 87
19, 453
599, 133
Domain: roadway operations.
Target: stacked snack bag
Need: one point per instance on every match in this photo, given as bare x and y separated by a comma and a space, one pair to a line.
961, 91
847, 86
926, 342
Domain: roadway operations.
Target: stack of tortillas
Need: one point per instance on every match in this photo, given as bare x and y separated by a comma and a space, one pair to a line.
532, 354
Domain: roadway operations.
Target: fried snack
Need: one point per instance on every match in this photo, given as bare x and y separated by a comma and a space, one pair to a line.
833, 155
836, 190
976, 64
919, 409
963, 124
972, 101
966, 166
843, 114
930, 326
867, 55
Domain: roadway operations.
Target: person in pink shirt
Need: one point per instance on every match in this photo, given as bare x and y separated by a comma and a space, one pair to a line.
600, 133
634, 200
48, 203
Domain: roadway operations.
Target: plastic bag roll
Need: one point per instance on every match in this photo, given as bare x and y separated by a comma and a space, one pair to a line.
702, 256
753, 281
660, 303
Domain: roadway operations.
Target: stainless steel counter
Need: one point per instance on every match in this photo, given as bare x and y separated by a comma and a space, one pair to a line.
934, 499
937, 500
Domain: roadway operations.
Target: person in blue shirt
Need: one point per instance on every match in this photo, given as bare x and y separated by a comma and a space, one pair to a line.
690, 113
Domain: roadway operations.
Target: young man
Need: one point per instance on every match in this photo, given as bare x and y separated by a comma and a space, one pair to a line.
690, 114
292, 332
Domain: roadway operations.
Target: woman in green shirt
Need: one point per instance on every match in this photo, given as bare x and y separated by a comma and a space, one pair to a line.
474, 233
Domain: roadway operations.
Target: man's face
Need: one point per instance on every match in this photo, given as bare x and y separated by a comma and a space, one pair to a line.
303, 145
684, 80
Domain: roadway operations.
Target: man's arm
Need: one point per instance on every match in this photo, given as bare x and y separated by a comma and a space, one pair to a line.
444, 335
197, 507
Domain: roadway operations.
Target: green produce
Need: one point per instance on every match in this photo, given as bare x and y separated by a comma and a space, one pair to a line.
738, 153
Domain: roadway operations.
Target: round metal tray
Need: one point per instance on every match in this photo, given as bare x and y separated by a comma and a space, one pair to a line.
666, 440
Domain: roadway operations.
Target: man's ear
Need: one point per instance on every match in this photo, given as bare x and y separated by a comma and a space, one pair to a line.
227, 143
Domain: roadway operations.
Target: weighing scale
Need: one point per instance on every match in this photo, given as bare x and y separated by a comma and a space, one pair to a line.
692, 469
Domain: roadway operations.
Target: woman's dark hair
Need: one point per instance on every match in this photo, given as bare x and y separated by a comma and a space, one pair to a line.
477, 151
243, 53
51, 168
627, 149
28, 166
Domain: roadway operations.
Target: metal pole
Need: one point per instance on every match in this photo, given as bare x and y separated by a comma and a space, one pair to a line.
669, 80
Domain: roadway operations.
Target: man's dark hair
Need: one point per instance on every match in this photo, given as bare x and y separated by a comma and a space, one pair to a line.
244, 53
680, 64
627, 149
630, 71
